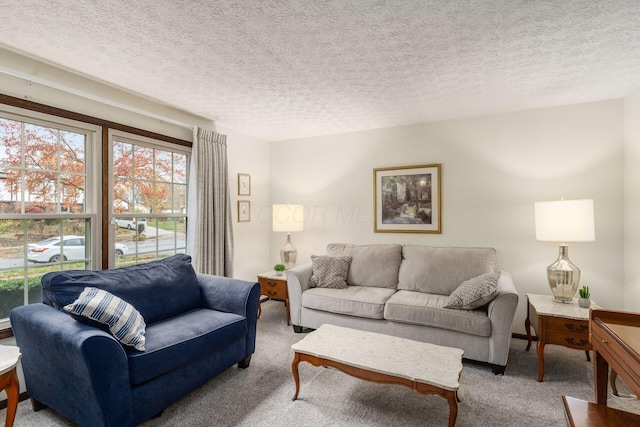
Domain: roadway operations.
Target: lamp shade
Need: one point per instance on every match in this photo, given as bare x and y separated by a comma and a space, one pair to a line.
288, 218
565, 221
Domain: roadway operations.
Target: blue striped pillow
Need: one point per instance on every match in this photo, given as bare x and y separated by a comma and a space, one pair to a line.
124, 322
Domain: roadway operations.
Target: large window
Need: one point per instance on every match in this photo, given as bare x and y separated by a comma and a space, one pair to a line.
47, 208
149, 199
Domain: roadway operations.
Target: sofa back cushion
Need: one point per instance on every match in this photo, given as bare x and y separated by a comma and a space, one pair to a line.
371, 265
158, 290
441, 270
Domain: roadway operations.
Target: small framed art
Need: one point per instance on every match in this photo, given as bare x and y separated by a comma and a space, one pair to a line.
244, 184
407, 199
244, 211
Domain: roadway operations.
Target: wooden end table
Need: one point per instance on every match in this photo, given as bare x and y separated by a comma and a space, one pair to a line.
9, 357
565, 324
423, 367
275, 287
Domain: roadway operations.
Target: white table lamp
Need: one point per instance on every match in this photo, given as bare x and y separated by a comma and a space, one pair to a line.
564, 221
288, 218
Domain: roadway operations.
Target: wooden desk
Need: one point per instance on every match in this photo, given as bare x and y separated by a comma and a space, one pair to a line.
615, 336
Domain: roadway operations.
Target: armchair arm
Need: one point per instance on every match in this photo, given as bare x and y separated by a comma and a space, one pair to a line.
502, 311
232, 296
297, 283
76, 369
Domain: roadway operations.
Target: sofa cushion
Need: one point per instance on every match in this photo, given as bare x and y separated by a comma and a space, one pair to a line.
371, 265
329, 271
420, 308
179, 341
158, 290
361, 301
123, 321
441, 270
474, 293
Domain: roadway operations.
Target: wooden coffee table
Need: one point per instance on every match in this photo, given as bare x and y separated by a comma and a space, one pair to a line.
425, 368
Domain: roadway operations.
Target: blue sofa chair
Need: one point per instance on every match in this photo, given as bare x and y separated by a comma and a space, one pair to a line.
197, 327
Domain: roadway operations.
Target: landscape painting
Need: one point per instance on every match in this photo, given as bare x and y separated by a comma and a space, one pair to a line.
407, 199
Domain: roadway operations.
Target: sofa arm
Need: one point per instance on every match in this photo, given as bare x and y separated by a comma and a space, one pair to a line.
78, 370
502, 311
297, 283
232, 296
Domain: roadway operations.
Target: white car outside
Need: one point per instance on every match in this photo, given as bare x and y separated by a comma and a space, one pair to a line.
130, 223
49, 250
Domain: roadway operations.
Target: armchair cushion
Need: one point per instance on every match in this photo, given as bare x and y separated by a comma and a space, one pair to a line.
158, 290
173, 343
123, 321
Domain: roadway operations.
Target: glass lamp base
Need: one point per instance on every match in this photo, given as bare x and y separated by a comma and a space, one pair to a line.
563, 276
288, 254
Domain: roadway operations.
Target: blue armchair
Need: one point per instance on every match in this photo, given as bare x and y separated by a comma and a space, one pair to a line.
197, 327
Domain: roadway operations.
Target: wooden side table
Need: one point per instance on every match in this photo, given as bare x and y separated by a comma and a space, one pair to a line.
565, 324
275, 287
9, 357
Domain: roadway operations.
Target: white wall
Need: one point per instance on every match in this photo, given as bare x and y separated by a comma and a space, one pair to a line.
632, 201
493, 170
251, 239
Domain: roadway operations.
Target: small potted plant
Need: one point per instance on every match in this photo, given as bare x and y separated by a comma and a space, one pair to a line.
279, 268
584, 300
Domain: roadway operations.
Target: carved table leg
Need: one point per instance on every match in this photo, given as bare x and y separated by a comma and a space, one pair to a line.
296, 376
453, 407
527, 326
541, 359
9, 382
612, 380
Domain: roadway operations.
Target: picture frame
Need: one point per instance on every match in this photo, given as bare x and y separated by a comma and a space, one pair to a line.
244, 211
244, 184
408, 199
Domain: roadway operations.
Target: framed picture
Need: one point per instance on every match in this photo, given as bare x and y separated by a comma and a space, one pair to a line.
407, 199
244, 184
244, 211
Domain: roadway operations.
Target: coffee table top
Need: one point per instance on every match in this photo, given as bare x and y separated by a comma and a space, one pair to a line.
547, 305
9, 356
416, 361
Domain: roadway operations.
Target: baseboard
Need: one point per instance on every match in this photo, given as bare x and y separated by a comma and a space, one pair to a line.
524, 337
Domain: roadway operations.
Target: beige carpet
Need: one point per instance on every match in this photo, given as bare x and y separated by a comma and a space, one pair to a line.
261, 395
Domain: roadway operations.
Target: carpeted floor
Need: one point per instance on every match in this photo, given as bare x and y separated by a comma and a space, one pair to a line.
261, 395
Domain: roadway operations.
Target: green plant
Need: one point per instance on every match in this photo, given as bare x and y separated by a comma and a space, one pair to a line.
584, 292
279, 267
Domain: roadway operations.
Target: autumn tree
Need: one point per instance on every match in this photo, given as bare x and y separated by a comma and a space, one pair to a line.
53, 162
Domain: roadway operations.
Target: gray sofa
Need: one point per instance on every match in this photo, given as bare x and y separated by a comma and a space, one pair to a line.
401, 290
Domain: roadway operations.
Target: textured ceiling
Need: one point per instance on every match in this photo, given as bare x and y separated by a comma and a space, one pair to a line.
283, 69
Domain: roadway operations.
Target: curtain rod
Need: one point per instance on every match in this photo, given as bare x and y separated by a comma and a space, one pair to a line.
83, 94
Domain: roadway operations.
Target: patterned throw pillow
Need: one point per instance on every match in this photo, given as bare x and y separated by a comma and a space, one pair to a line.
475, 292
329, 271
124, 322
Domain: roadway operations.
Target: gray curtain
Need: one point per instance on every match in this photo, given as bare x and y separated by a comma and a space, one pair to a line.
212, 248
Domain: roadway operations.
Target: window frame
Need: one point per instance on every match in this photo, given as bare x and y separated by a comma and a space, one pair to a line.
143, 141
92, 192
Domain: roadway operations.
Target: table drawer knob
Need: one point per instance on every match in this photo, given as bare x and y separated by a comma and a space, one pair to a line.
605, 342
272, 293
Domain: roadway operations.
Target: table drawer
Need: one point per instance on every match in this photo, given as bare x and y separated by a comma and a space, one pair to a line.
276, 289
568, 325
569, 339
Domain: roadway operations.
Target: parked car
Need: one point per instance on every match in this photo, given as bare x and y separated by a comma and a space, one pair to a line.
132, 223
72, 248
